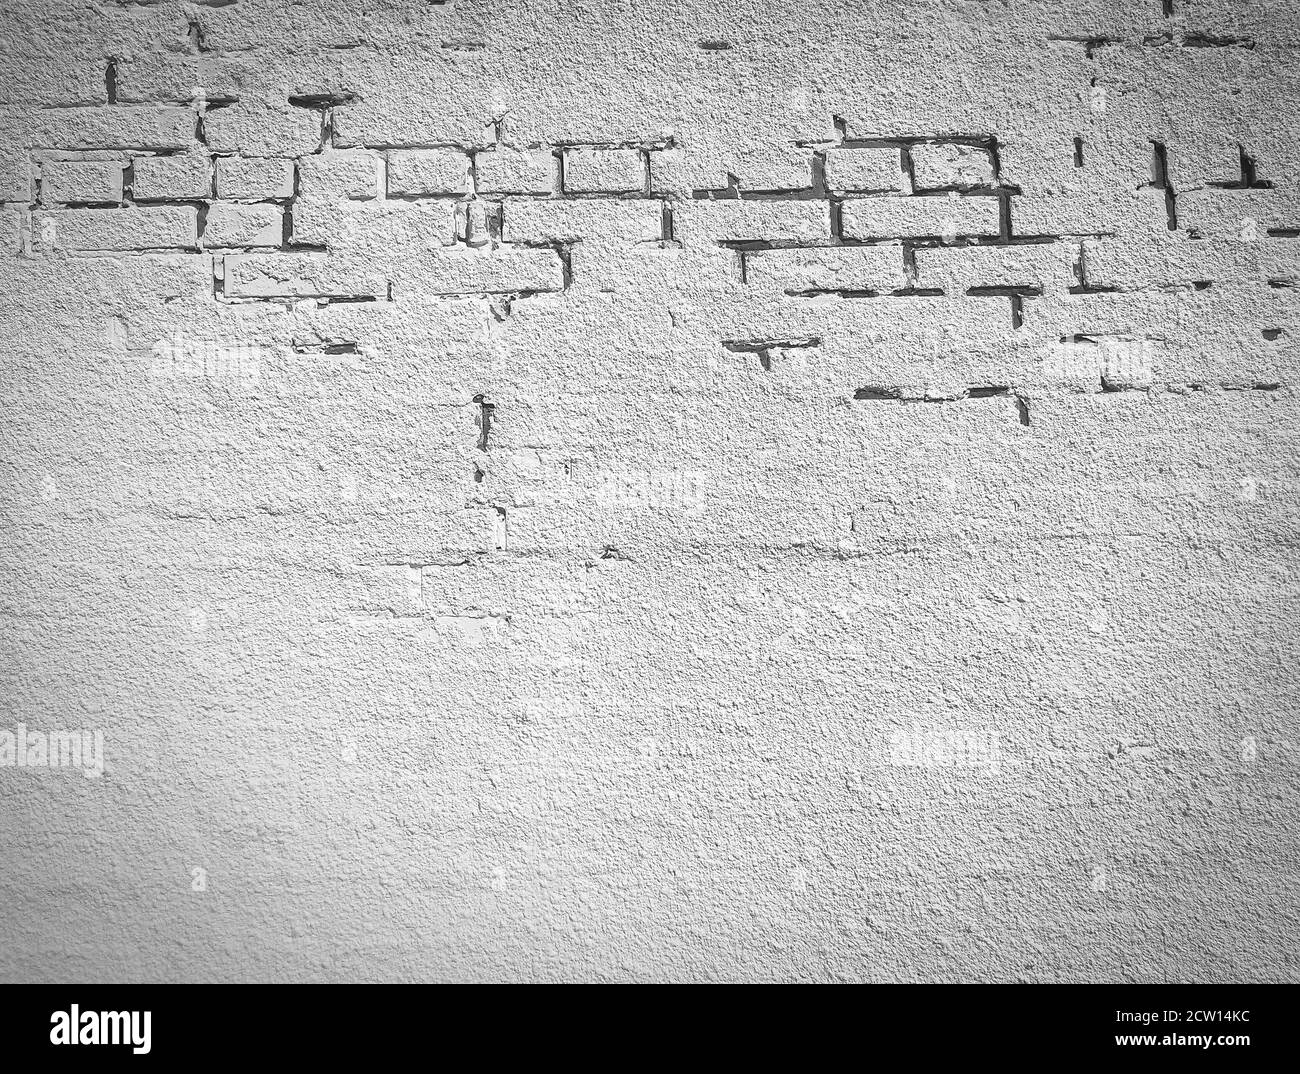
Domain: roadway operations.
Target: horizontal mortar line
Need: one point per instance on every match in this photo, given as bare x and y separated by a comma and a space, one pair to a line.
781, 194
649, 145
392, 147
390, 195
1108, 388
1197, 41
1027, 290
136, 251
237, 299
980, 141
923, 242
598, 195
147, 150
887, 394
513, 294
750, 346
862, 293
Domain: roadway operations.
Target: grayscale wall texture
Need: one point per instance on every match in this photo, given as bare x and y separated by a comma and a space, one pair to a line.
689, 490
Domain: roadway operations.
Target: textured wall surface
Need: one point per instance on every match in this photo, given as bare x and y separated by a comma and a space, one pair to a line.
680, 490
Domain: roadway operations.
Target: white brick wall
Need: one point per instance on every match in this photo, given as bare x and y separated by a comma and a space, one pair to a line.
536, 511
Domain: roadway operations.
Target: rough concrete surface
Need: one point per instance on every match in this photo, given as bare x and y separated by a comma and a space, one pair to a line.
688, 490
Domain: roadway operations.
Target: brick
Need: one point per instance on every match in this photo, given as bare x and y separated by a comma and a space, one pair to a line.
416, 224
939, 216
863, 268
341, 174
186, 175
511, 171
15, 176
1047, 266
504, 270
99, 128
98, 181
290, 275
773, 168
1242, 214
428, 171
942, 166
476, 222
865, 170
1200, 155
1172, 258
254, 178
528, 220
154, 227
736, 220
1075, 211
165, 79
262, 130
233, 224
592, 171
673, 170
10, 231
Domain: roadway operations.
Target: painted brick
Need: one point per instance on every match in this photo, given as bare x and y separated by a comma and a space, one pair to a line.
65, 181
233, 224
291, 275
510, 171
156, 227
428, 171
938, 165
254, 178
868, 170
528, 220
604, 170
186, 175
342, 174
939, 216
738, 221
863, 268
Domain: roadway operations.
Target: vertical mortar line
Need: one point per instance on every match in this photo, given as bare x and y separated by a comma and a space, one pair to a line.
286, 220
822, 190
994, 151
1160, 180
1249, 172
565, 250
1004, 215
908, 167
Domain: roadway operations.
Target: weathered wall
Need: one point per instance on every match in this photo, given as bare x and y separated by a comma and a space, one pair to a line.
627, 490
